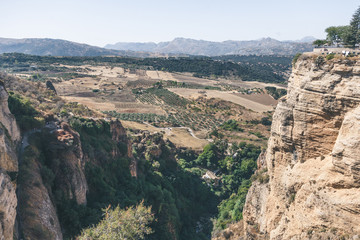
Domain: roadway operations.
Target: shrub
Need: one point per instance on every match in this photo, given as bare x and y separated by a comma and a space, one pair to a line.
330, 56
296, 57
319, 61
232, 125
119, 224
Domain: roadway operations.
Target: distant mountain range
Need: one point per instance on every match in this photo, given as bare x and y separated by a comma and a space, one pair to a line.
264, 46
179, 46
58, 47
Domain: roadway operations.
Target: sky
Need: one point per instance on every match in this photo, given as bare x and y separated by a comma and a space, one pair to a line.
102, 22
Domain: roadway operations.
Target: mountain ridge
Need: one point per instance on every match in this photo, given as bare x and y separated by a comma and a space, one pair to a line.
263, 46
176, 47
60, 47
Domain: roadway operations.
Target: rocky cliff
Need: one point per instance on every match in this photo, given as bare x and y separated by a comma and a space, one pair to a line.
37, 213
53, 163
312, 158
70, 173
52, 173
9, 136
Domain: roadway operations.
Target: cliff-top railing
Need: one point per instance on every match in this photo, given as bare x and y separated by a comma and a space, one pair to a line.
336, 50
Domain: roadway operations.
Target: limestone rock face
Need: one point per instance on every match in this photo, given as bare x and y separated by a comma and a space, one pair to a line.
9, 136
313, 157
7, 119
70, 176
8, 202
118, 135
37, 214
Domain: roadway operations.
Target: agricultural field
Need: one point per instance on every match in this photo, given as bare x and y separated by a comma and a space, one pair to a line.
176, 102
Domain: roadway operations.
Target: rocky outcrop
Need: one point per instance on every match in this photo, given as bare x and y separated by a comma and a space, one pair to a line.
8, 202
52, 169
124, 146
312, 157
9, 136
70, 173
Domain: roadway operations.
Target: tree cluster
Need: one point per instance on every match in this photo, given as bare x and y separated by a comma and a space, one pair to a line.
348, 36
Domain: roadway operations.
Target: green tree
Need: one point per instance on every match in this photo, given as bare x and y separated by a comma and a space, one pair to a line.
118, 224
319, 42
354, 29
208, 157
338, 35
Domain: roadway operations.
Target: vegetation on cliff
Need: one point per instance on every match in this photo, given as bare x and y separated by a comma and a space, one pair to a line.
27, 117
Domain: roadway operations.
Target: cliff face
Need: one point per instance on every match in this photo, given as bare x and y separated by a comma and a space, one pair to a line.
119, 136
8, 202
312, 157
9, 136
37, 213
70, 176
55, 164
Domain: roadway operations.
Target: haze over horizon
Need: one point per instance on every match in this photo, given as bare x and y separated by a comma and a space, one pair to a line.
111, 21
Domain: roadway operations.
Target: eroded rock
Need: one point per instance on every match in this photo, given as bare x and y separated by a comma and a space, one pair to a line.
312, 158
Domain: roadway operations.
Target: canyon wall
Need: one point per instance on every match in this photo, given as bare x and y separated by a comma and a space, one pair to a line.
51, 161
313, 157
9, 137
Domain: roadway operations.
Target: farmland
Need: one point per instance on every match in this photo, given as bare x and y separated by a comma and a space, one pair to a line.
137, 91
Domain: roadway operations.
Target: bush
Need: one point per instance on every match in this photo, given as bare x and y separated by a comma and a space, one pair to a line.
319, 61
119, 224
330, 56
232, 125
296, 57
266, 121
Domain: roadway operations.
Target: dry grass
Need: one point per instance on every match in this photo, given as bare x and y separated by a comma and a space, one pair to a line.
182, 138
92, 103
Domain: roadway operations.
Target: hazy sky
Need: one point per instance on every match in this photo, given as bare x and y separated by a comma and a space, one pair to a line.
99, 22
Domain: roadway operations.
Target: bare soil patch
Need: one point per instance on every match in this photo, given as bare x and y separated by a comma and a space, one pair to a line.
227, 96
261, 98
